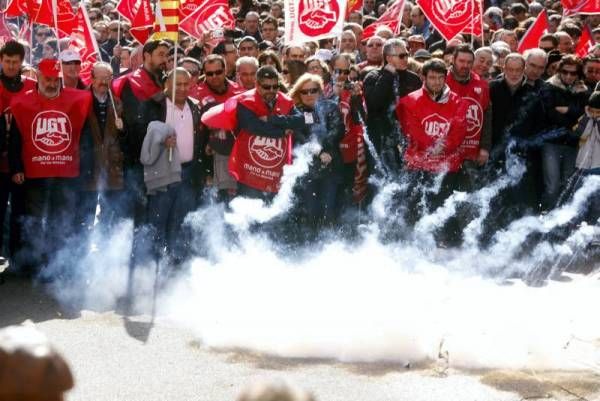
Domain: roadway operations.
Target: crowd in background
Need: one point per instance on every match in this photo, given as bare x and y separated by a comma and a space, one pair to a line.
407, 104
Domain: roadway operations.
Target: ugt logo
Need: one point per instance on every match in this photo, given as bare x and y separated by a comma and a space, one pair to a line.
267, 152
436, 126
51, 132
453, 12
318, 17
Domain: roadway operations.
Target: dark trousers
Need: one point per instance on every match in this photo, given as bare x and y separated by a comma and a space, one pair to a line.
166, 213
135, 194
113, 208
50, 206
318, 193
13, 195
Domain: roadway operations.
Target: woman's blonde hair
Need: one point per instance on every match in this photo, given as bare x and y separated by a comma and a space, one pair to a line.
294, 93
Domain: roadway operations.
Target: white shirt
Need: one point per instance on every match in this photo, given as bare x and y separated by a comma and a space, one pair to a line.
183, 123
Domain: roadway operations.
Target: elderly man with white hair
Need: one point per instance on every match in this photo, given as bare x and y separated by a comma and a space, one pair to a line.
535, 65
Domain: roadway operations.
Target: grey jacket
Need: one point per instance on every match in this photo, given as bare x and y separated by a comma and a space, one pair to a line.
159, 172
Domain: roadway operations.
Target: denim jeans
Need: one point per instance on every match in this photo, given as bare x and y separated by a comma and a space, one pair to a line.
558, 164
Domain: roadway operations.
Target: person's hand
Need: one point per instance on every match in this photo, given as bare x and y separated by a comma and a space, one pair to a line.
118, 124
483, 157
209, 151
325, 158
263, 118
171, 141
562, 109
208, 181
18, 178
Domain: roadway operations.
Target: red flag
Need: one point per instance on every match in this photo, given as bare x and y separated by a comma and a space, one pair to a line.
44, 14
186, 7
5, 33
451, 17
16, 8
142, 23
475, 27
392, 17
354, 5
571, 7
532, 37
208, 15
84, 42
585, 44
128, 8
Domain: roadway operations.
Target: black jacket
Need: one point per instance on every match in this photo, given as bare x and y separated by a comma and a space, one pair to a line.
156, 110
328, 128
555, 94
380, 98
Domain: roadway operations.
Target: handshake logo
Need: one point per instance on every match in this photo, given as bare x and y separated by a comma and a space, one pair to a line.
318, 17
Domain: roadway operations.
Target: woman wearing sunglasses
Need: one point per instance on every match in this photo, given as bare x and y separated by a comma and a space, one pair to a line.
318, 189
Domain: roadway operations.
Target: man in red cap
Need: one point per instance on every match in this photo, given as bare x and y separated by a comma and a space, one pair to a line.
45, 149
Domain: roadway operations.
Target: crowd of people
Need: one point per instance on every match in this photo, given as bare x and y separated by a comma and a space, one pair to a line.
146, 138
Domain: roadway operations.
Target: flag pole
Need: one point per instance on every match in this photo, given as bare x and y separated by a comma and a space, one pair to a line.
55, 16
88, 25
472, 24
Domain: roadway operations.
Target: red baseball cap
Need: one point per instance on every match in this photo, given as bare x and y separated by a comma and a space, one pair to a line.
49, 67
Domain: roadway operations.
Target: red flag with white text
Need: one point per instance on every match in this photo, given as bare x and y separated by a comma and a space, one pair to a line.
82, 41
43, 13
186, 7
451, 17
585, 44
572, 7
143, 22
392, 18
307, 20
16, 8
208, 16
128, 8
531, 38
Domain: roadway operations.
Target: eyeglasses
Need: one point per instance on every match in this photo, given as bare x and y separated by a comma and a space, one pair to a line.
213, 73
567, 72
310, 91
340, 71
401, 56
270, 87
375, 45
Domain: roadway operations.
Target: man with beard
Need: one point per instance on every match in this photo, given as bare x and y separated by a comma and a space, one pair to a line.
133, 89
433, 119
12, 83
216, 89
475, 92
44, 156
264, 119
383, 87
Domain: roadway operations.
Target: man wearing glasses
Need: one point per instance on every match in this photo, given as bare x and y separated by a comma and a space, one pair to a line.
266, 119
216, 89
374, 53
383, 88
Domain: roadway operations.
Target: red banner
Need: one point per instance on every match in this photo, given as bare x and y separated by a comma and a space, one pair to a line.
16, 8
209, 15
532, 37
83, 41
143, 21
186, 7
128, 8
571, 7
5, 33
44, 14
392, 18
585, 44
451, 17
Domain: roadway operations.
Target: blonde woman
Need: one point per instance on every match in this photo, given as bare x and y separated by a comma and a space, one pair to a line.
319, 189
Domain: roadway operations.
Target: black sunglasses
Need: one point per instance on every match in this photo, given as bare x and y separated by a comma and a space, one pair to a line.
270, 87
340, 71
311, 91
213, 73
